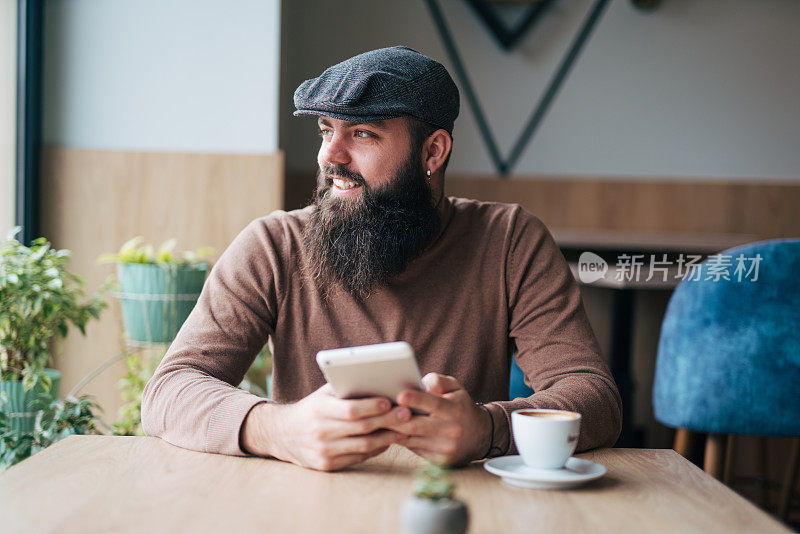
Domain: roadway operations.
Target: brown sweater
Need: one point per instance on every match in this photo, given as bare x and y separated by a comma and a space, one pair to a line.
493, 284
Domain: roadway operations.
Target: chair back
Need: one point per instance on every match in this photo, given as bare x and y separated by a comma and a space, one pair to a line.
517, 386
729, 352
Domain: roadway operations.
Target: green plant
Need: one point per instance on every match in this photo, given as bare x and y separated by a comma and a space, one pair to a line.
58, 419
134, 251
432, 482
139, 370
39, 299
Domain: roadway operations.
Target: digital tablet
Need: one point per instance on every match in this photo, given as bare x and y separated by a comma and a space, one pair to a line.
381, 370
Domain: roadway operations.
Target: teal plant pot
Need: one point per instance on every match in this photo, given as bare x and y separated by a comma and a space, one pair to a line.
22, 406
157, 299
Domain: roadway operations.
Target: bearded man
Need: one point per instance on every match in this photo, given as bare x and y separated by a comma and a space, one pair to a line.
383, 255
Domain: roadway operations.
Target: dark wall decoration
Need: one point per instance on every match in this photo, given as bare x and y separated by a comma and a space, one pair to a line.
507, 38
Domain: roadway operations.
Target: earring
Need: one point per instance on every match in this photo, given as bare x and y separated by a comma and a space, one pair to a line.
428, 174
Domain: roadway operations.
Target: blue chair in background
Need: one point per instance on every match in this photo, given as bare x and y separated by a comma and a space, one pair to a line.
729, 353
517, 386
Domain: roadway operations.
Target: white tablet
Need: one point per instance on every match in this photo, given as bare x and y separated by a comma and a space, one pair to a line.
382, 370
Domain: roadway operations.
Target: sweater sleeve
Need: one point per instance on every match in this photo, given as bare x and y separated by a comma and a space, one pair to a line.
192, 400
555, 346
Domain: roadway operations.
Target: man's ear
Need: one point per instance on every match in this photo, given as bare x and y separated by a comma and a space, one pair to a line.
435, 150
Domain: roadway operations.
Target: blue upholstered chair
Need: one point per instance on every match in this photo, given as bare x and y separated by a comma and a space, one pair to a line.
517, 386
729, 353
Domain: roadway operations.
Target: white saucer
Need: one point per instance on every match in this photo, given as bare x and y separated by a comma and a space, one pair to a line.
513, 471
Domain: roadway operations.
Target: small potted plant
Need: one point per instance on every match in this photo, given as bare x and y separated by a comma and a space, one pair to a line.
158, 289
39, 300
432, 509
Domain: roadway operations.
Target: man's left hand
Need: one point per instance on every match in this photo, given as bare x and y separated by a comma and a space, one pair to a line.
454, 430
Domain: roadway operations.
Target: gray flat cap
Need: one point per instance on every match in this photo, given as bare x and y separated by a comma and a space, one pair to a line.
382, 84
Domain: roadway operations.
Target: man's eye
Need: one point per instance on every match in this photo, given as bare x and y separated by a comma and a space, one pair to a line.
363, 134
323, 132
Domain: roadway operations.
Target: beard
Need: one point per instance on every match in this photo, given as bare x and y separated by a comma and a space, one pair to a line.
360, 243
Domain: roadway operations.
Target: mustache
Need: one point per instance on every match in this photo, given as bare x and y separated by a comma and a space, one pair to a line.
340, 171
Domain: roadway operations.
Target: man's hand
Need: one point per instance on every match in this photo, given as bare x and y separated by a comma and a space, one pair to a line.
455, 430
323, 431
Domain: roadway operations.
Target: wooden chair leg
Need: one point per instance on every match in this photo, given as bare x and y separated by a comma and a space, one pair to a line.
788, 480
728, 470
684, 440
714, 457
763, 469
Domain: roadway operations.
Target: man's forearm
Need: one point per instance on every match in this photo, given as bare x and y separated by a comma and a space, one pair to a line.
257, 435
182, 406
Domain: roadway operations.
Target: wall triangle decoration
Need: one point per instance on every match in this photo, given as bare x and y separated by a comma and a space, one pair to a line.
508, 37
504, 165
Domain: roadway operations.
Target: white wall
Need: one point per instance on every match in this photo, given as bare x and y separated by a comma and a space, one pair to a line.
693, 89
8, 112
178, 75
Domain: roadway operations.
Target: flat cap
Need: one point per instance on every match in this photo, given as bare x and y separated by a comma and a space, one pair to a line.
382, 84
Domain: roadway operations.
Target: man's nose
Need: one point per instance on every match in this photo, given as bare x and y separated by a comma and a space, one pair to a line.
334, 151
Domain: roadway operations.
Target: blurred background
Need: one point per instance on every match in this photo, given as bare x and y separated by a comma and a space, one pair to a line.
674, 129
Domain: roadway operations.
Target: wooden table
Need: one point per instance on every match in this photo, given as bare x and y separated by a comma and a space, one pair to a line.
117, 484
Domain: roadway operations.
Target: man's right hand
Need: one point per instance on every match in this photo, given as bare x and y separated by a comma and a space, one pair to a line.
323, 431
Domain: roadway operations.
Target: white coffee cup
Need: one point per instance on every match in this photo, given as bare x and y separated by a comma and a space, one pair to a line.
545, 438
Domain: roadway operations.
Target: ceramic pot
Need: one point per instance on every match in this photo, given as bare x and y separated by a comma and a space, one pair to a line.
428, 516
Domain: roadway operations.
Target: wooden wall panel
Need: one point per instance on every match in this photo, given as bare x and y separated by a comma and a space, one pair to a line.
95, 200
764, 209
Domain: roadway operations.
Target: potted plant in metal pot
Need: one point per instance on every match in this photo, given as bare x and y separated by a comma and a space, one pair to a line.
158, 289
39, 300
432, 509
